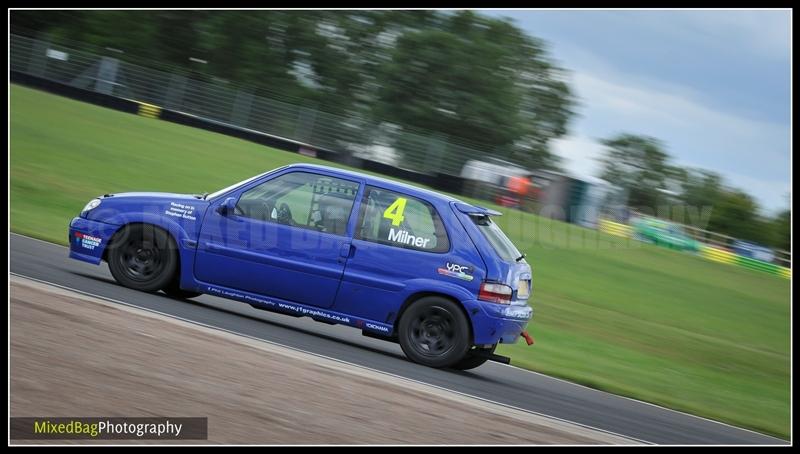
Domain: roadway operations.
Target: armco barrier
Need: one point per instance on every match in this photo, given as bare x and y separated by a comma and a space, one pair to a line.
754, 264
708, 252
258, 137
153, 111
718, 255
93, 97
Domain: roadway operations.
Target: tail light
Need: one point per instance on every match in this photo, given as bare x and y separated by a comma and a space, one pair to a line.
495, 293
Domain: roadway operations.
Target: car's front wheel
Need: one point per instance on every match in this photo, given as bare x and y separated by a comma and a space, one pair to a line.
435, 332
143, 257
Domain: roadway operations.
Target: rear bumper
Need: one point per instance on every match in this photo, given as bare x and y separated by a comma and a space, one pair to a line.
88, 239
497, 323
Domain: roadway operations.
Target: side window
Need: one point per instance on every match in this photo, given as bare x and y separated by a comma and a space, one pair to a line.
301, 199
398, 220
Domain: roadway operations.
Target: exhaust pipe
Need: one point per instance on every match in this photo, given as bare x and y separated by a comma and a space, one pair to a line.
493, 357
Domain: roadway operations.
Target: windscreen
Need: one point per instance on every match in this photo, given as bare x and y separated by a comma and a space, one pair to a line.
231, 187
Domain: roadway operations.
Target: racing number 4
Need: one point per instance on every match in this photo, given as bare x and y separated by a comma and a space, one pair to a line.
395, 211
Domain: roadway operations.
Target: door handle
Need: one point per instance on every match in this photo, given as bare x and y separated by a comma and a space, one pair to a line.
346, 251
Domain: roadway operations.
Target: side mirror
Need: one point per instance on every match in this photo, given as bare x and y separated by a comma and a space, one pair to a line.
227, 207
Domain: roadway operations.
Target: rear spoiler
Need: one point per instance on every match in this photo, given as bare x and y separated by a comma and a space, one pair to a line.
473, 210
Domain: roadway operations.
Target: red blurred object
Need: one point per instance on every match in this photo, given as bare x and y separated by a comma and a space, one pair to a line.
507, 201
528, 337
519, 185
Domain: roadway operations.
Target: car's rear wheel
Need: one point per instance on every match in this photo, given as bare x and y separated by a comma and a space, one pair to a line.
435, 332
474, 358
143, 257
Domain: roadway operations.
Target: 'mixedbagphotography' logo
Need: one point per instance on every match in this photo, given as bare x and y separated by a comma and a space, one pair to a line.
115, 428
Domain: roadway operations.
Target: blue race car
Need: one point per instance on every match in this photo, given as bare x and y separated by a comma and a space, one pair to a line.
398, 262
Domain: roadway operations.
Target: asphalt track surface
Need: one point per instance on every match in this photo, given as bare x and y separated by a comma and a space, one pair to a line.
499, 383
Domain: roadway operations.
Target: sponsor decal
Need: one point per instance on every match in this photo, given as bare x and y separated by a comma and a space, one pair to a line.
377, 327
181, 210
87, 241
276, 305
394, 212
402, 236
296, 308
240, 296
523, 312
313, 312
457, 271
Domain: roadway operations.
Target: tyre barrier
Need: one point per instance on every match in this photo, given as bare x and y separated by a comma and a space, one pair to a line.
615, 228
149, 110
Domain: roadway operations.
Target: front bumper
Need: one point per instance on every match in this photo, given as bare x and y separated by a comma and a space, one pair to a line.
497, 323
88, 239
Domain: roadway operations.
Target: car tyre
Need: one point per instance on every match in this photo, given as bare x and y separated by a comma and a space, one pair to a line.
143, 257
434, 332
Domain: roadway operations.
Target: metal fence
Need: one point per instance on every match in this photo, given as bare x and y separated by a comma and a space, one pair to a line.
726, 242
783, 258
106, 71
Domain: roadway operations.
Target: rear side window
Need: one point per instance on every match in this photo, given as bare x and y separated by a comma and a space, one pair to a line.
399, 220
499, 241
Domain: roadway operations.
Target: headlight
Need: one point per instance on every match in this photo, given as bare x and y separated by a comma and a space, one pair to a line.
94, 203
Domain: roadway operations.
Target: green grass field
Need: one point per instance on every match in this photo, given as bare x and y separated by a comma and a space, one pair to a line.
633, 319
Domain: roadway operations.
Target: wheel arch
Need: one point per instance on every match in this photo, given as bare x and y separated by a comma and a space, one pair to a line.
122, 227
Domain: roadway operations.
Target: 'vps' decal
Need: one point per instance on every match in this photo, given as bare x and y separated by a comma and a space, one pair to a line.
457, 271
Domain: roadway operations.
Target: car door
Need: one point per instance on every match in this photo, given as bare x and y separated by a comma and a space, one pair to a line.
287, 238
398, 238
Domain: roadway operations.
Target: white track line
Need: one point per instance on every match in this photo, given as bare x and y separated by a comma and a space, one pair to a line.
781, 441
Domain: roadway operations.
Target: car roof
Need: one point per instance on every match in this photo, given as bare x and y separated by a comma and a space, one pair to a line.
423, 193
